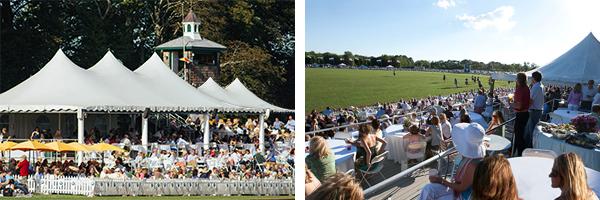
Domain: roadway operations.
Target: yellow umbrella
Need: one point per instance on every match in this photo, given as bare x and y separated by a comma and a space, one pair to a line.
79, 147
31, 145
60, 146
105, 147
6, 145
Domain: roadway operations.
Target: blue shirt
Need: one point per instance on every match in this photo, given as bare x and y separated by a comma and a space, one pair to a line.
536, 95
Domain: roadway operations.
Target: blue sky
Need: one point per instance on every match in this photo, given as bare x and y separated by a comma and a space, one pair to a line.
508, 31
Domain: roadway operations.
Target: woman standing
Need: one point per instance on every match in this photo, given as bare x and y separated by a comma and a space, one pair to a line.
521, 108
568, 174
575, 97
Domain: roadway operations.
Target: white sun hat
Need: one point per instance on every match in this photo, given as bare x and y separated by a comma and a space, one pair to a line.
468, 139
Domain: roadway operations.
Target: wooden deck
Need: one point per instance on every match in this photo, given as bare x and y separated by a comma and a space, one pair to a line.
408, 187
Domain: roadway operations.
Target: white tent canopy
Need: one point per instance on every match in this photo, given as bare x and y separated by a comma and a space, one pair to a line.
237, 90
62, 86
213, 89
115, 75
580, 64
157, 75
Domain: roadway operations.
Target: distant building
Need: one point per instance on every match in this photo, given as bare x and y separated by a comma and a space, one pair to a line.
190, 51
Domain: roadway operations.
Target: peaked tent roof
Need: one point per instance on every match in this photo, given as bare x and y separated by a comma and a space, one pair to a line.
62, 86
158, 76
580, 64
237, 90
128, 85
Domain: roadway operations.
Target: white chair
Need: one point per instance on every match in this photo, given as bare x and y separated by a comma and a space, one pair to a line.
377, 170
542, 153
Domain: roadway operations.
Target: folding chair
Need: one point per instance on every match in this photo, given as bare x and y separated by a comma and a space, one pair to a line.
377, 170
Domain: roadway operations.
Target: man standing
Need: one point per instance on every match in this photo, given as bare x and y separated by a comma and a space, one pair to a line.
535, 108
588, 96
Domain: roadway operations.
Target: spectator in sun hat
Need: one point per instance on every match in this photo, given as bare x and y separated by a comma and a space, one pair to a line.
468, 140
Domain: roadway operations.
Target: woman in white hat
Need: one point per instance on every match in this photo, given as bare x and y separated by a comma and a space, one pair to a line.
468, 140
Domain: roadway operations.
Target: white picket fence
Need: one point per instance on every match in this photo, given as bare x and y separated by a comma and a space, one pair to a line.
134, 187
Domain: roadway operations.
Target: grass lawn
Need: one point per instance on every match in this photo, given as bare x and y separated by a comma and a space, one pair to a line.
348, 87
40, 196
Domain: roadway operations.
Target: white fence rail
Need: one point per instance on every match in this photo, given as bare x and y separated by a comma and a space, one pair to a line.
134, 187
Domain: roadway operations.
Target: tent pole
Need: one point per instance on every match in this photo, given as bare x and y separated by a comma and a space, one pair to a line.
59, 122
206, 130
261, 133
80, 131
144, 130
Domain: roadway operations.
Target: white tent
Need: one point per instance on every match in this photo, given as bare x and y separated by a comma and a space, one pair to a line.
155, 74
237, 90
128, 85
62, 86
580, 64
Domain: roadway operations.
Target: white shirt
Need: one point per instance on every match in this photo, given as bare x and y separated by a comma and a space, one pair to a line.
537, 96
588, 94
596, 99
446, 129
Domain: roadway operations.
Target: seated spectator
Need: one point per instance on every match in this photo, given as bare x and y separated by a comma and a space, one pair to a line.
337, 187
367, 148
497, 120
568, 174
414, 144
468, 140
320, 160
493, 179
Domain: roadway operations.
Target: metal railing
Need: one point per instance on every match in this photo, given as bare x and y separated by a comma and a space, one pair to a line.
419, 114
371, 191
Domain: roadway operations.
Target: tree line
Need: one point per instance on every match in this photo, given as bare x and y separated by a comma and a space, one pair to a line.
402, 61
259, 36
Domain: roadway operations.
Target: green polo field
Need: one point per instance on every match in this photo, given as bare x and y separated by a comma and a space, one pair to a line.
349, 87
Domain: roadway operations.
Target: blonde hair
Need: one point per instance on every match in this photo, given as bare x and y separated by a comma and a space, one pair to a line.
493, 179
318, 147
573, 179
338, 186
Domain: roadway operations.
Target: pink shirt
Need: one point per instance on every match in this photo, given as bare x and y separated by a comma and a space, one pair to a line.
575, 98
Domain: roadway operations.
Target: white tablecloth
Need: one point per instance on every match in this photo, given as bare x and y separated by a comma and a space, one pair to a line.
344, 158
477, 118
531, 175
564, 116
395, 146
497, 143
590, 157
393, 129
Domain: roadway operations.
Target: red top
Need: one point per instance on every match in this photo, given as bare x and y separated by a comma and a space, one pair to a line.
522, 97
23, 167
